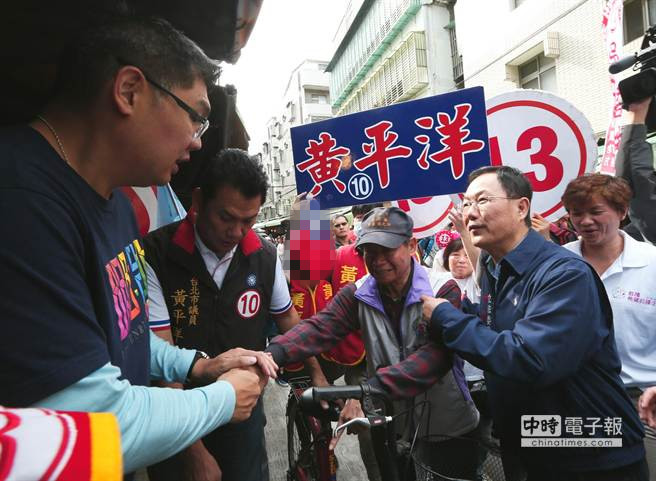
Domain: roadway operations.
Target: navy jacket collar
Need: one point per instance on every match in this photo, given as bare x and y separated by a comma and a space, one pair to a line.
522, 256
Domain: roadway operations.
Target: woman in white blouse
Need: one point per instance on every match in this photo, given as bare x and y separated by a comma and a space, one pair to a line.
459, 268
597, 204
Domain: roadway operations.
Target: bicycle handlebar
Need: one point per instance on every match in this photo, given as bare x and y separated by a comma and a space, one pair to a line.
384, 440
313, 395
367, 422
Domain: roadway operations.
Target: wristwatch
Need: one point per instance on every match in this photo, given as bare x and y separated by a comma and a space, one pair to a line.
197, 356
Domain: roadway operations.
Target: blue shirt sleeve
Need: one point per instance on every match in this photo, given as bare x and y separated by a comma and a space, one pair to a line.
557, 333
169, 363
155, 423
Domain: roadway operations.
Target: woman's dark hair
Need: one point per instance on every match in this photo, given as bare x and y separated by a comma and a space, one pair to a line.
614, 190
454, 246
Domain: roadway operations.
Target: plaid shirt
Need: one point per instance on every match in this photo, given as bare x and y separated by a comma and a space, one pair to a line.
563, 236
415, 374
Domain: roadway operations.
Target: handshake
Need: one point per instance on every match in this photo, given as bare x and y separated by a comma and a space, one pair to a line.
247, 371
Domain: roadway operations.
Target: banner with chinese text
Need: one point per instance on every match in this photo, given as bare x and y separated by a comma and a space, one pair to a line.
419, 148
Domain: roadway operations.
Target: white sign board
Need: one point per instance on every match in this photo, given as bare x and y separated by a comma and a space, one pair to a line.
429, 214
545, 137
537, 132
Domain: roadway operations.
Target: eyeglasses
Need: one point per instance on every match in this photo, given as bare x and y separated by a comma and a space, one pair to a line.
203, 123
482, 202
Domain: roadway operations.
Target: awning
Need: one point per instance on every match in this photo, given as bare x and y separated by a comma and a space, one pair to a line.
270, 223
278, 220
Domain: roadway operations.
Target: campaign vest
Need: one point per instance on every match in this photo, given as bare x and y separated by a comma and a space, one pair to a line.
348, 267
308, 302
202, 316
451, 411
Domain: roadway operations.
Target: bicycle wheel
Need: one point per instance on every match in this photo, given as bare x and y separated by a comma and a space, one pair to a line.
300, 449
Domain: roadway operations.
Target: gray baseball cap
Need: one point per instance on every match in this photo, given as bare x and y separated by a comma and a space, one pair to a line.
386, 226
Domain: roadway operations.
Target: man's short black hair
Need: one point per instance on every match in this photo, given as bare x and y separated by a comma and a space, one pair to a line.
512, 180
151, 44
363, 209
234, 167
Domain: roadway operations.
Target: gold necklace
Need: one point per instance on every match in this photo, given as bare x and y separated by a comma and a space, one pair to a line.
59, 142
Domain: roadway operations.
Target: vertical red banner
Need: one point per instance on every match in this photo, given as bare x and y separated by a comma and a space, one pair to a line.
613, 39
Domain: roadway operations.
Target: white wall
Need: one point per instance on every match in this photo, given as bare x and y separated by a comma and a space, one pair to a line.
438, 49
492, 36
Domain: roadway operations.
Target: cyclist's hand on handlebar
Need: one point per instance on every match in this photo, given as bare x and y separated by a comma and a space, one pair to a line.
352, 409
319, 380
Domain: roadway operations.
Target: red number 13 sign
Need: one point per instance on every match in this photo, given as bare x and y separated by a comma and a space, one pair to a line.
545, 137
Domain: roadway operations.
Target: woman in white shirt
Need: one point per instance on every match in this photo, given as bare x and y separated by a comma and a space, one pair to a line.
457, 267
597, 204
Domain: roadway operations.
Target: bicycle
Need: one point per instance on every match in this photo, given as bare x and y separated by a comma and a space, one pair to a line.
384, 437
309, 430
308, 435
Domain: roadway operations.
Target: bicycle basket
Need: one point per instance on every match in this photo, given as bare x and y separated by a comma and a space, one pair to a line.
449, 458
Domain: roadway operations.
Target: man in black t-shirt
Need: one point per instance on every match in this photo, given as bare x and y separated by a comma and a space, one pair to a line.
131, 103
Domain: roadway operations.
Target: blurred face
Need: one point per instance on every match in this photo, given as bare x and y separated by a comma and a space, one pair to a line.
341, 227
596, 222
494, 222
169, 139
459, 264
311, 244
226, 218
390, 266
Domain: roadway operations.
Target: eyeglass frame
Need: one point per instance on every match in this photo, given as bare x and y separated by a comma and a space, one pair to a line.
193, 115
468, 204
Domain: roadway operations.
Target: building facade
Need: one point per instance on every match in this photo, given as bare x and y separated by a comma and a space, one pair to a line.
553, 45
391, 51
306, 100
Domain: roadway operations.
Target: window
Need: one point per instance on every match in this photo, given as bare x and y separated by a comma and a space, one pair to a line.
638, 16
318, 118
316, 97
538, 73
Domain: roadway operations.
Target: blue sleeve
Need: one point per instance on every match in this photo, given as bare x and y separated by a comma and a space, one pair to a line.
155, 422
169, 363
558, 332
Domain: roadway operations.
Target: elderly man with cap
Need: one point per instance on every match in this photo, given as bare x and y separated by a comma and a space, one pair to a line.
386, 306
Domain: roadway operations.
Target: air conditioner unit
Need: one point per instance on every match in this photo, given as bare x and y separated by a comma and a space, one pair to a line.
551, 45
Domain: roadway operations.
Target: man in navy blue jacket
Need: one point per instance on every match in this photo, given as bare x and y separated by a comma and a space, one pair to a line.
543, 333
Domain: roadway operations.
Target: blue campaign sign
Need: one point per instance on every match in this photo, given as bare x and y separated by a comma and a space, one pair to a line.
412, 149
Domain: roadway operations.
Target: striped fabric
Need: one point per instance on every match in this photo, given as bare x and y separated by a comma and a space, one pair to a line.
159, 325
56, 445
154, 207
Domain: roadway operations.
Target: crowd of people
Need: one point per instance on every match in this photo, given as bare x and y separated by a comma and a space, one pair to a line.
499, 321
